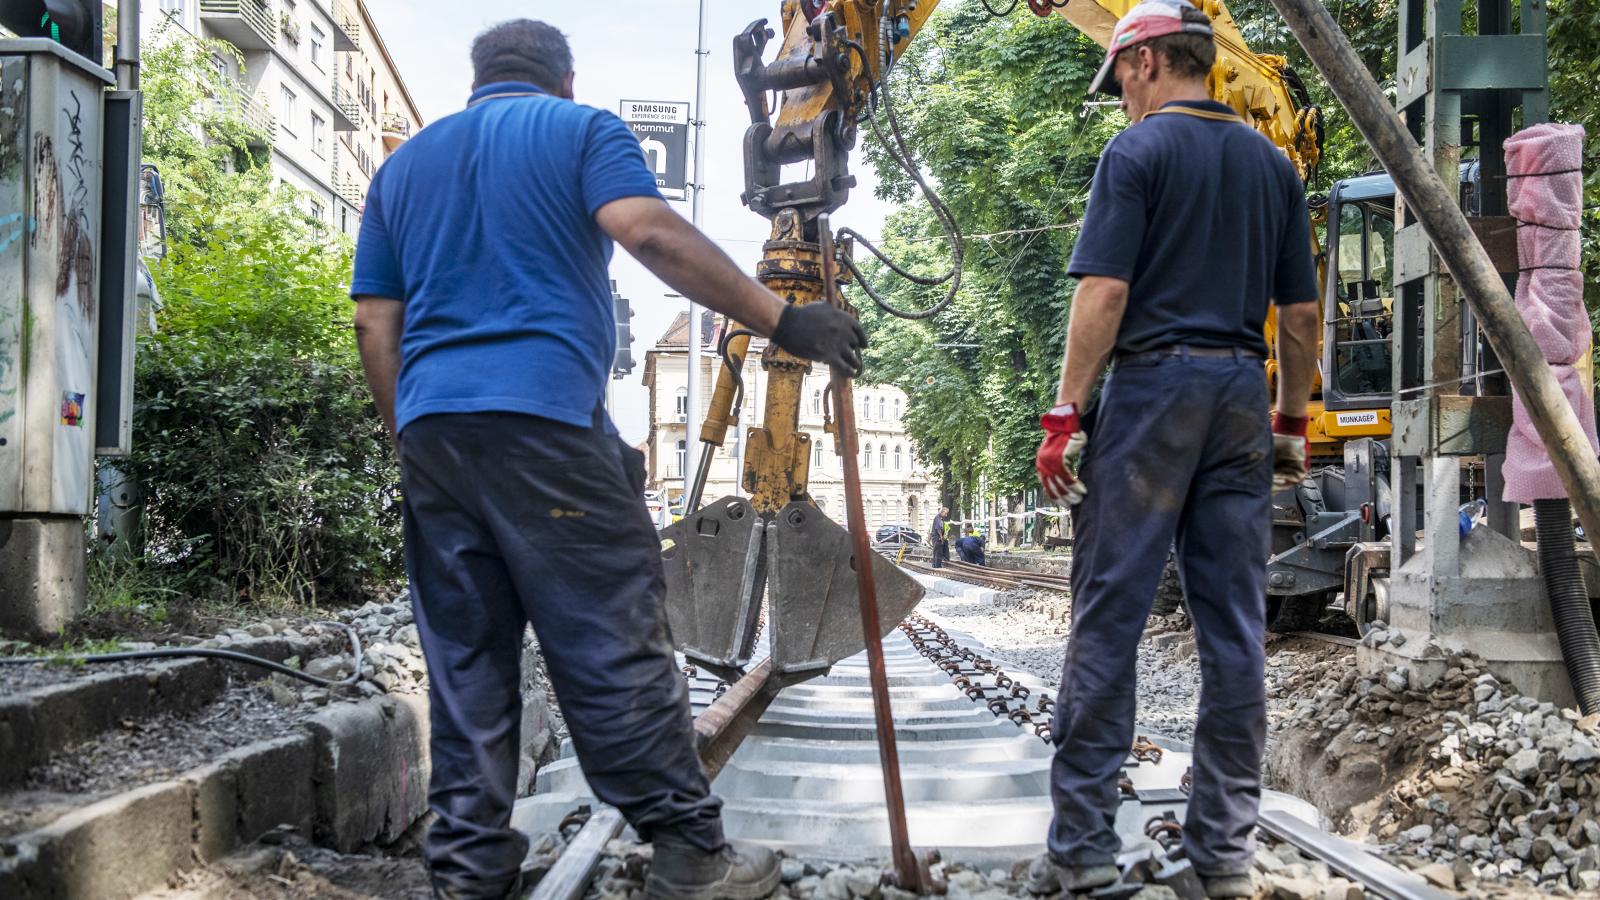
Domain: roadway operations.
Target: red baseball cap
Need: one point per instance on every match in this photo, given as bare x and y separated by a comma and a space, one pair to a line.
1150, 19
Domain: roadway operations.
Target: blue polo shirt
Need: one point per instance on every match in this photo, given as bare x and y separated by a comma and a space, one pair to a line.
483, 224
1206, 220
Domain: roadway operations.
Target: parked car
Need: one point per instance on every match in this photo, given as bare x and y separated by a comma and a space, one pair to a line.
896, 535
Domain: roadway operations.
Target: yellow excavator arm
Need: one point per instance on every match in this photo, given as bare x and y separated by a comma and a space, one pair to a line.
836, 53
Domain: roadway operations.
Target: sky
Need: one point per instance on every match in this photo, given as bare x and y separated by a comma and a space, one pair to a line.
634, 50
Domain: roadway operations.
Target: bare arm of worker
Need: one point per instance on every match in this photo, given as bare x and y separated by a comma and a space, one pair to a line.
1097, 310
1298, 324
687, 260
379, 321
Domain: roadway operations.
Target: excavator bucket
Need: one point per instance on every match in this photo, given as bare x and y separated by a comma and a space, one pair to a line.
813, 606
714, 567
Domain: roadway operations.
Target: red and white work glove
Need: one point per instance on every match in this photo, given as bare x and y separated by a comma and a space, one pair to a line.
1057, 459
1291, 451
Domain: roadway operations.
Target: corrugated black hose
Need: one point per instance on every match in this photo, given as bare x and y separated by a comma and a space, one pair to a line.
1569, 600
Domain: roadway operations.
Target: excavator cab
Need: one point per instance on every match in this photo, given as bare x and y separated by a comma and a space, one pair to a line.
1358, 308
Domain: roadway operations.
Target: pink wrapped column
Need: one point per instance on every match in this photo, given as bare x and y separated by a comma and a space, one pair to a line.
1545, 189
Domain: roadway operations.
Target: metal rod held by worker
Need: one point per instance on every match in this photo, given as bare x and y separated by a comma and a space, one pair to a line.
907, 870
1435, 208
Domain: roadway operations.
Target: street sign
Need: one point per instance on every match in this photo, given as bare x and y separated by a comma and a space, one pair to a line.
662, 127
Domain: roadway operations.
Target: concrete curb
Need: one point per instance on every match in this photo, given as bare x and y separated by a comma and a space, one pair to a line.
354, 774
372, 767
36, 724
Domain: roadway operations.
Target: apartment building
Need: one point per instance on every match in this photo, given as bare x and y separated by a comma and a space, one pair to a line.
318, 82
896, 488
377, 111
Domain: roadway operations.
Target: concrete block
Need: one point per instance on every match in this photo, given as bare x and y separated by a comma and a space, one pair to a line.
275, 784
214, 790
372, 767
36, 724
44, 583
111, 850
250, 791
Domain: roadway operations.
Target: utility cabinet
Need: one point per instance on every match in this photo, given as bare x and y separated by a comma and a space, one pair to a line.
51, 131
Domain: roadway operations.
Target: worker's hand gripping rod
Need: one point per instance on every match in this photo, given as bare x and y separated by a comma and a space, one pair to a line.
910, 871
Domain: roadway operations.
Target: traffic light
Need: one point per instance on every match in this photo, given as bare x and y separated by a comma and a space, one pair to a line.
622, 361
75, 24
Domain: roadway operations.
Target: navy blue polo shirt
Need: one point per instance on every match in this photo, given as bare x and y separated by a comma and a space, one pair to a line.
1206, 220
483, 224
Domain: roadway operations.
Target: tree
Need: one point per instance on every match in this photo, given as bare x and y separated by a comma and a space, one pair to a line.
993, 108
266, 472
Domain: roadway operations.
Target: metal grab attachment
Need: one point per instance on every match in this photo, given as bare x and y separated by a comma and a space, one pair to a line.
814, 591
715, 574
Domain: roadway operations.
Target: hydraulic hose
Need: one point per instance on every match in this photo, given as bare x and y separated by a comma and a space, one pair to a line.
210, 653
1569, 600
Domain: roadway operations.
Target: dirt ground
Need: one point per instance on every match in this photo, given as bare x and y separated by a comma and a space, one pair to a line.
293, 869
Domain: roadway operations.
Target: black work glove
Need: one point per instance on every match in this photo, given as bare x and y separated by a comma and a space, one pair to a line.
822, 333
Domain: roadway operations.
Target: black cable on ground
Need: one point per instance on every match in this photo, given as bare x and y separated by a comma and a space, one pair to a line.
208, 653
1569, 600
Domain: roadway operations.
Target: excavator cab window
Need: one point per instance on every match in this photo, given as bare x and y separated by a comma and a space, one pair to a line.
1362, 310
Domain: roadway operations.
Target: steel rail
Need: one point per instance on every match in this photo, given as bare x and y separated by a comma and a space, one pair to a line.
1349, 859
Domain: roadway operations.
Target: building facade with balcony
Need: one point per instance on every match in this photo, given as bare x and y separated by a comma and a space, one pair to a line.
376, 110
291, 85
897, 489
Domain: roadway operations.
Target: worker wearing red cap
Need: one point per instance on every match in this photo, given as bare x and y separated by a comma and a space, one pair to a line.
1195, 224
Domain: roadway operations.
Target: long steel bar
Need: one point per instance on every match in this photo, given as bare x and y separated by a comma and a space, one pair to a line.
569, 878
908, 871
725, 724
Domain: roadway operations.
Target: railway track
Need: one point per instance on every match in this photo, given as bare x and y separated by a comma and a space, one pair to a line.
975, 763
987, 576
1005, 579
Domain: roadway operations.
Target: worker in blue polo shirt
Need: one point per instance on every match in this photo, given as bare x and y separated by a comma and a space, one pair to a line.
1195, 225
484, 319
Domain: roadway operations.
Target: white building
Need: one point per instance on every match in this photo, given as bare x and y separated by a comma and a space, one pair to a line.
896, 488
312, 70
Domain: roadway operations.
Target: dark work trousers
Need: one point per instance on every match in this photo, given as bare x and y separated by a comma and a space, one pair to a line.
941, 552
513, 519
1180, 447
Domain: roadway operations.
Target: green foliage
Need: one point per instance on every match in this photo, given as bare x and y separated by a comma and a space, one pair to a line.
265, 470
993, 109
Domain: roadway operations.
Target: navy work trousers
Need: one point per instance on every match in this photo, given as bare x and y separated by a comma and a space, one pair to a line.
510, 520
1180, 448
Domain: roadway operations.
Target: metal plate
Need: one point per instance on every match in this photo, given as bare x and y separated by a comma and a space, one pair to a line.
713, 565
812, 600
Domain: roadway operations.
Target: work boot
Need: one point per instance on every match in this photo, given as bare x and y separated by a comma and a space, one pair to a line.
680, 870
1046, 876
442, 891
1226, 887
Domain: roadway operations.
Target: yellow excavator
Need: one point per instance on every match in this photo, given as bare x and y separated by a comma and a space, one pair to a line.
806, 106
